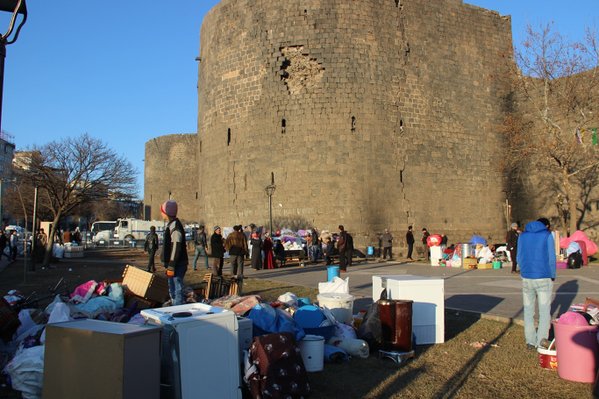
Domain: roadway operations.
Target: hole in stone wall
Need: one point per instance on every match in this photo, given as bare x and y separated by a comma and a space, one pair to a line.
283, 126
401, 125
298, 71
228, 136
396, 3
401, 176
353, 123
200, 145
196, 195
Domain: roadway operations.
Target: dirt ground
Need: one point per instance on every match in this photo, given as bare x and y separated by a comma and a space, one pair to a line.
480, 358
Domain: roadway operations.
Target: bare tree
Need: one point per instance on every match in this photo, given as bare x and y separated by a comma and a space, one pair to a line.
72, 172
557, 91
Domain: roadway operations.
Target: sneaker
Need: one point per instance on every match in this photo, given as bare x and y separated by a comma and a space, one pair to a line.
531, 347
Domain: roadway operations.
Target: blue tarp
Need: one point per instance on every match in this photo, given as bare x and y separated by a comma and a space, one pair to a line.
478, 240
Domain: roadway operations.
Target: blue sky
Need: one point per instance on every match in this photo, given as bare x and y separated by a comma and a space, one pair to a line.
125, 70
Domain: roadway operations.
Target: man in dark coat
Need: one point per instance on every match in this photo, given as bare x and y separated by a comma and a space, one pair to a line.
174, 252
511, 240
425, 235
410, 241
217, 251
151, 246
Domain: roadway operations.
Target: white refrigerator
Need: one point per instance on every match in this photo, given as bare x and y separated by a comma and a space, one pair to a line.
200, 351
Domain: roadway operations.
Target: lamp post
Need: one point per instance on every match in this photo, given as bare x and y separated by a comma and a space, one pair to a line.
270, 190
15, 7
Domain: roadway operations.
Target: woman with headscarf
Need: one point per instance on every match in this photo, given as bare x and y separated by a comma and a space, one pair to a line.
267, 248
256, 243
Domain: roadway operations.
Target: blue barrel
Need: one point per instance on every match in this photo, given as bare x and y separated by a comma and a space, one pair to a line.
370, 251
332, 272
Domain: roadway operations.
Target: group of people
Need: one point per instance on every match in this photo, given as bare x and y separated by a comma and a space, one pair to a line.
386, 243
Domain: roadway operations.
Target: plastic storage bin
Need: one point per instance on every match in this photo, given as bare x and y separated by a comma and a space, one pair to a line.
576, 351
341, 305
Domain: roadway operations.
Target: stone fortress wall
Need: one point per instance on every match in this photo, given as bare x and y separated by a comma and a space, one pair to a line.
170, 165
372, 114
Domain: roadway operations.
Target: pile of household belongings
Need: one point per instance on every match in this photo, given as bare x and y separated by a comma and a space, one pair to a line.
22, 330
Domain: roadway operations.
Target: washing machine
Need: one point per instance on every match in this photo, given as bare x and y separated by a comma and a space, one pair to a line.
199, 353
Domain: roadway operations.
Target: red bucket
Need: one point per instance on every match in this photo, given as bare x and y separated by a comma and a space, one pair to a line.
548, 357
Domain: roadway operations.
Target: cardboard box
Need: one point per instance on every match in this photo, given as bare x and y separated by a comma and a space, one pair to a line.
469, 263
485, 266
153, 287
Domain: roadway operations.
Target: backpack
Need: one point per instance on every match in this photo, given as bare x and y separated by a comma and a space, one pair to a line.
276, 368
574, 260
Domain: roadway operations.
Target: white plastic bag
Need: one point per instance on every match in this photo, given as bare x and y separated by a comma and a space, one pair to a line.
60, 312
26, 371
355, 347
289, 299
337, 286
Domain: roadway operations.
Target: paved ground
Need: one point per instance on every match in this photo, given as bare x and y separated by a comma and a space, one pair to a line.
492, 292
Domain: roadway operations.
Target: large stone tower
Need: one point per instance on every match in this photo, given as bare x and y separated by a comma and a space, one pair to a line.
370, 114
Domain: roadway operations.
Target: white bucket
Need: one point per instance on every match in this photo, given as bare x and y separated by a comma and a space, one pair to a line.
312, 350
341, 305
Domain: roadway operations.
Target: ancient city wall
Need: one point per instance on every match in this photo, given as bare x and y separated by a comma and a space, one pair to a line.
370, 114
171, 169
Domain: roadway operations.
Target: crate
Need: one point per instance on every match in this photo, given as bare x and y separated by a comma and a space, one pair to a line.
150, 286
469, 263
485, 266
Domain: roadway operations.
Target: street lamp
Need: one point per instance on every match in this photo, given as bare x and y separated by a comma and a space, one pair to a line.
270, 190
15, 7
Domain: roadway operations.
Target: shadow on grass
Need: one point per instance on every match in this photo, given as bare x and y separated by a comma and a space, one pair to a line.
564, 296
455, 383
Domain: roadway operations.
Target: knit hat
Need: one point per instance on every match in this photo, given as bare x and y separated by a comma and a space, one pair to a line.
216, 228
169, 208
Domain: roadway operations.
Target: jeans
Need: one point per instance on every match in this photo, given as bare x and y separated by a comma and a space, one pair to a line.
200, 251
539, 290
175, 289
237, 264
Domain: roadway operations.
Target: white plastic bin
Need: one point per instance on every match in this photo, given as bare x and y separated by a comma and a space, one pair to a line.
341, 305
312, 350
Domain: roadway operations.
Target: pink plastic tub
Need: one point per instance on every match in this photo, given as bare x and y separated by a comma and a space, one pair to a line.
577, 351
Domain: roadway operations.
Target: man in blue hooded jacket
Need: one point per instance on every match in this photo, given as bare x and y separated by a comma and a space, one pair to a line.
536, 257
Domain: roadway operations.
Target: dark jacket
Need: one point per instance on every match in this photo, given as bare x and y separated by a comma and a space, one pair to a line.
536, 252
174, 250
151, 244
200, 240
410, 237
217, 249
511, 239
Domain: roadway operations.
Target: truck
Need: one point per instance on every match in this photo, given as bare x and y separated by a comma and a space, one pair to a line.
130, 229
102, 231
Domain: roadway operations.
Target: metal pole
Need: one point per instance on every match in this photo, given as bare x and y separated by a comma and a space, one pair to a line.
34, 230
270, 211
2, 58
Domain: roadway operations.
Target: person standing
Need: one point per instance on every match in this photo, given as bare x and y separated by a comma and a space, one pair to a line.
536, 257
256, 256
511, 240
387, 241
217, 251
174, 251
200, 242
341, 248
151, 246
425, 235
14, 242
237, 246
410, 241
267, 247
3, 243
